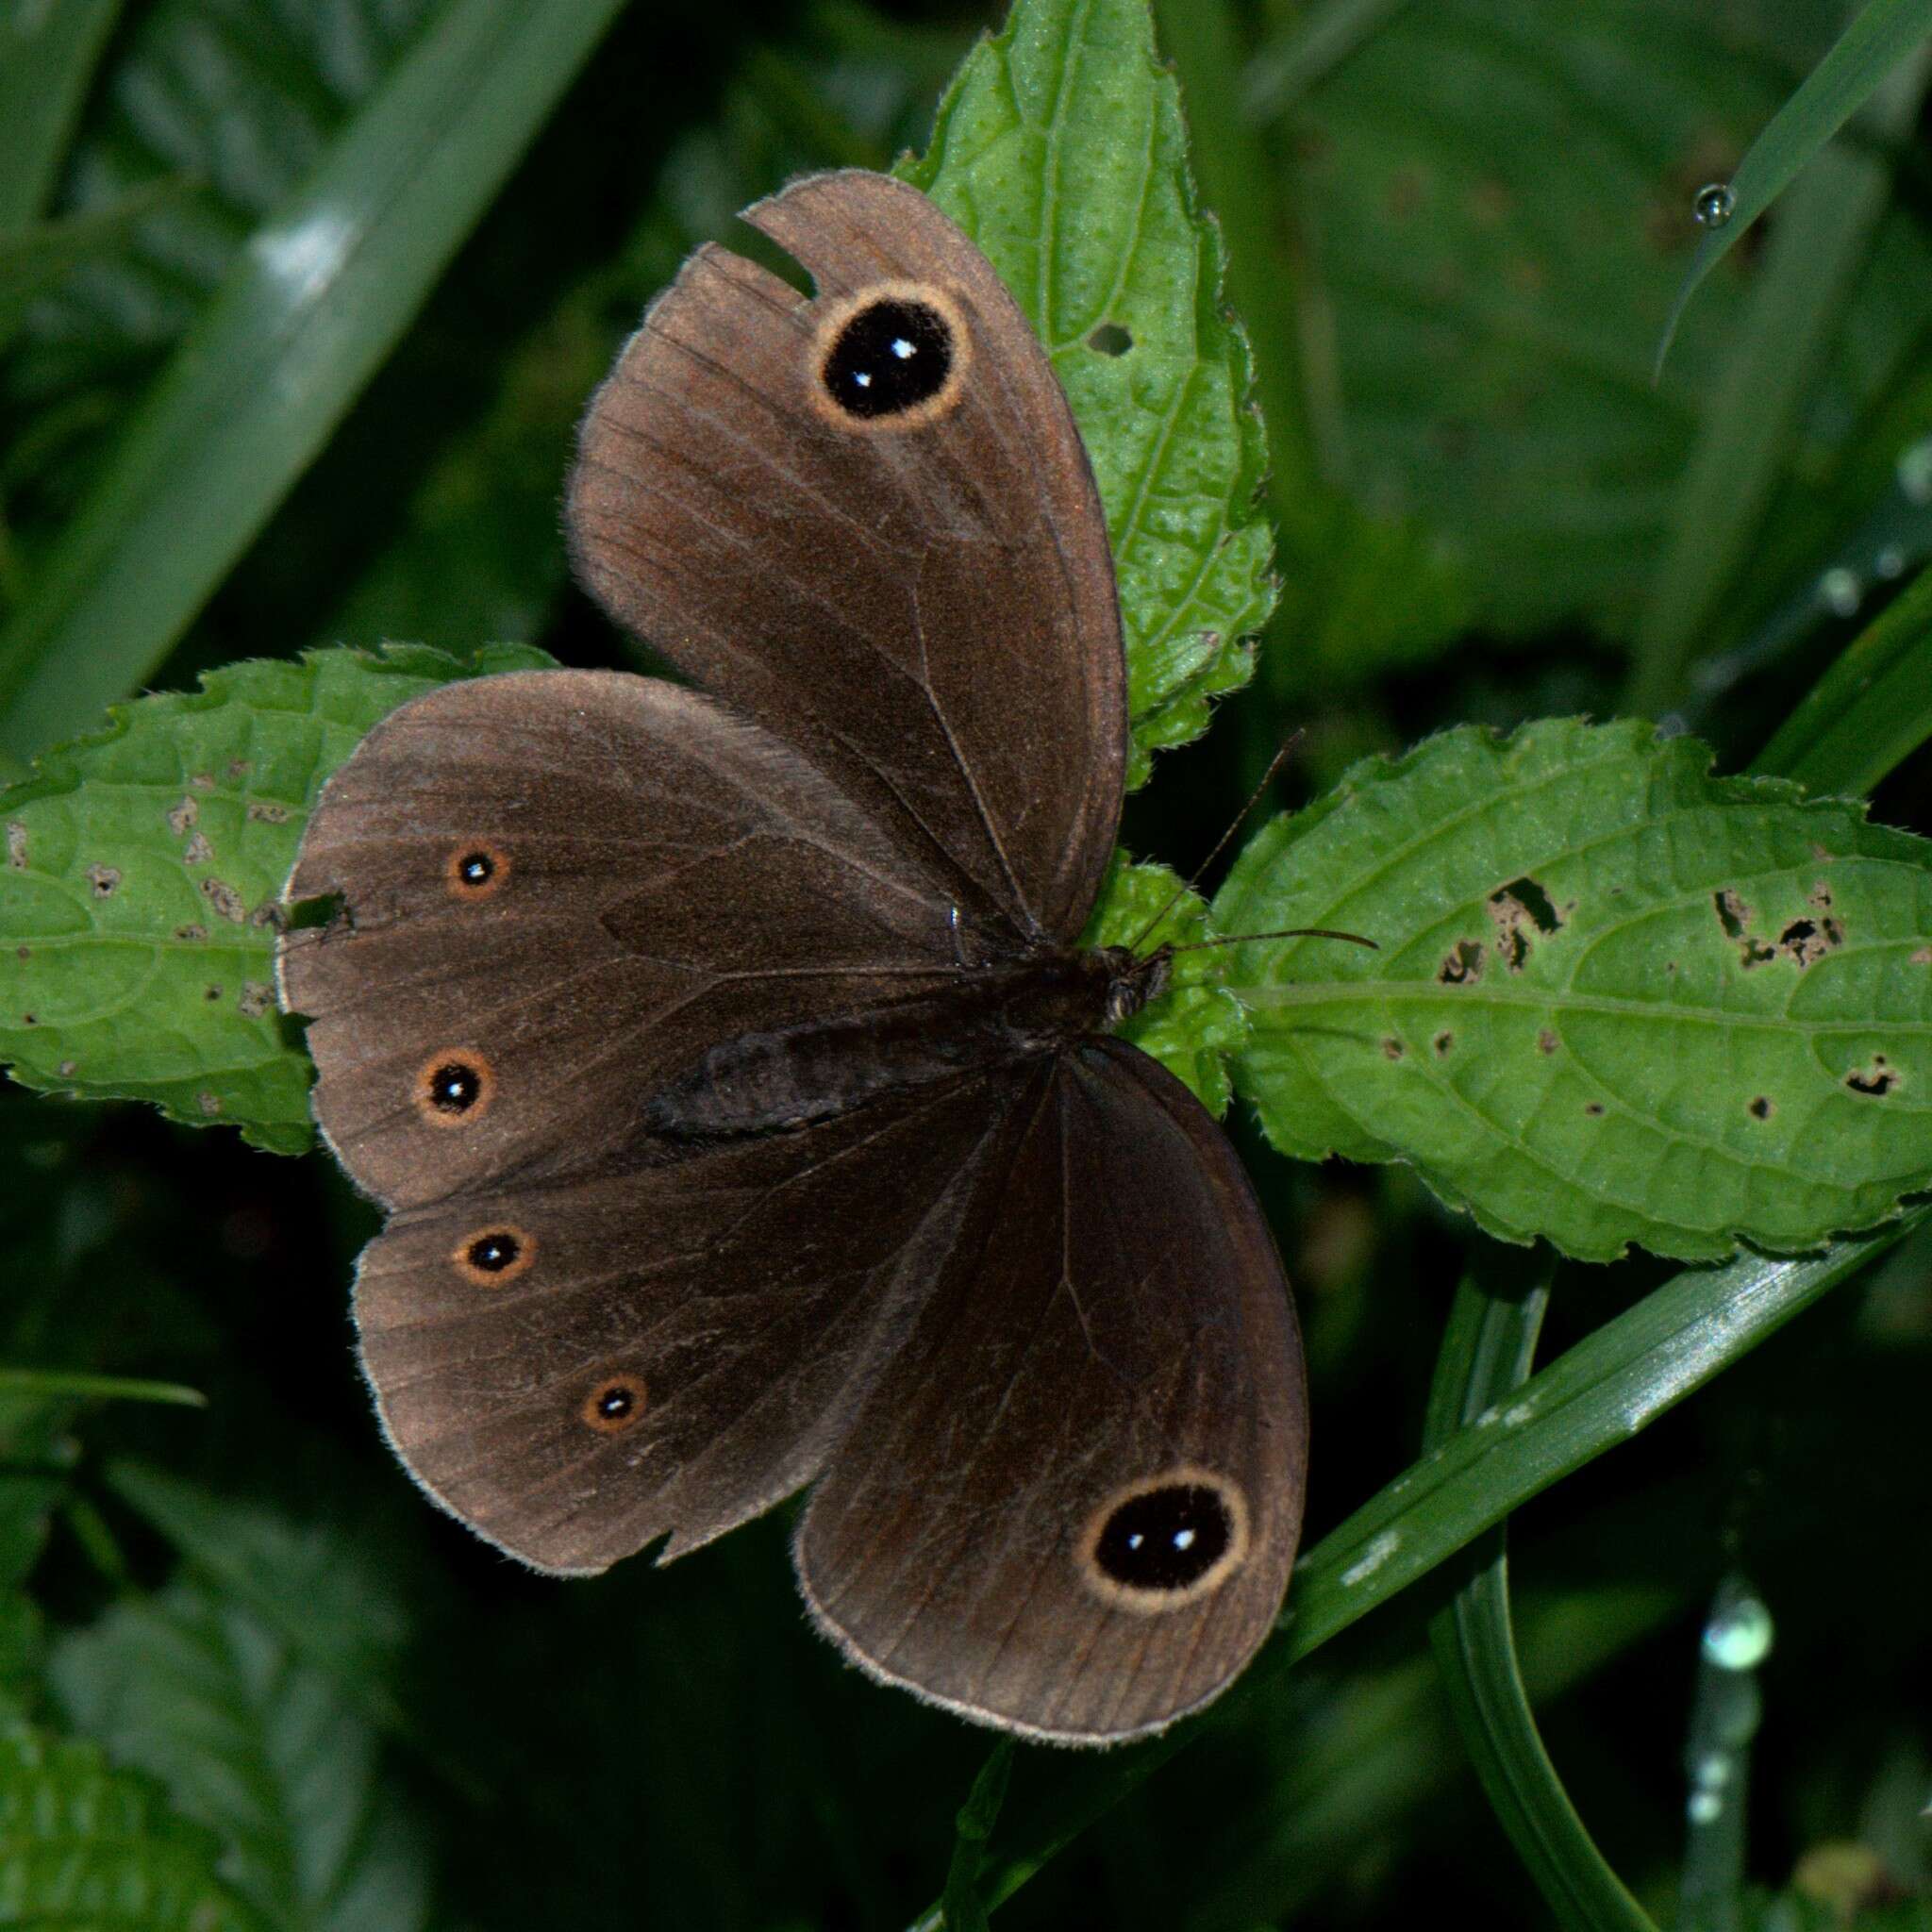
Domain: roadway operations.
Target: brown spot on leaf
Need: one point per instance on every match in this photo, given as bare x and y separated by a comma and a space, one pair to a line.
1819, 896
1761, 1108
68, 1069
1545, 1041
266, 814
1732, 912
24, 952
182, 817
1593, 1108
1805, 942
1922, 957
1877, 1079
270, 915
197, 851
1462, 965
1392, 1048
238, 768
224, 899
16, 844
1821, 852
29, 1020
258, 996
102, 879
191, 932
208, 1102
213, 993
202, 781
1518, 909
1445, 1041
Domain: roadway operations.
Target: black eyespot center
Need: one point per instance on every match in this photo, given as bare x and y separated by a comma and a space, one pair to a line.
476, 869
454, 1088
1165, 1539
891, 355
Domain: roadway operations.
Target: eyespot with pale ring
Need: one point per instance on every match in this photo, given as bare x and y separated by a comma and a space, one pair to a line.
454, 1088
476, 869
890, 356
1165, 1541
492, 1256
614, 1405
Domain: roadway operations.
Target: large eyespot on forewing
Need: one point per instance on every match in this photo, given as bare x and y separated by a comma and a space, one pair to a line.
890, 356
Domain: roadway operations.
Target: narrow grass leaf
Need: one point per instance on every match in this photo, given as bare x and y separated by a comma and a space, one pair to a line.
1487, 1352
1616, 1001
302, 320
1059, 147
1870, 711
56, 1384
1884, 34
140, 887
49, 49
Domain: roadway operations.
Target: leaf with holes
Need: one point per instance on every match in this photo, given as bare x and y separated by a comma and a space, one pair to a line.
1059, 147
1617, 1000
83, 1845
140, 884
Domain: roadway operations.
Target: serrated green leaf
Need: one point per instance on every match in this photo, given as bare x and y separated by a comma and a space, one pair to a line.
1059, 147
87, 1849
143, 867
257, 1744
1617, 1000
1194, 1024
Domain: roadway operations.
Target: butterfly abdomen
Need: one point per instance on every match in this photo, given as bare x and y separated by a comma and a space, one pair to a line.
764, 1081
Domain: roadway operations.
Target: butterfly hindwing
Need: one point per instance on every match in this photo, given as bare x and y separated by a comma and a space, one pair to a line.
1071, 1502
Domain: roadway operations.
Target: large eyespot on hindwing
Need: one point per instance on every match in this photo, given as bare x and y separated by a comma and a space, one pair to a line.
1165, 1541
494, 1255
454, 1088
890, 356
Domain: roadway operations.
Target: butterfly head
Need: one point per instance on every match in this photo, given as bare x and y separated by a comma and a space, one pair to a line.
1133, 981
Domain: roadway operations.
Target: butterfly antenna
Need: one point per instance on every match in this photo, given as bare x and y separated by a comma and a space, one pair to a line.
1255, 797
1293, 932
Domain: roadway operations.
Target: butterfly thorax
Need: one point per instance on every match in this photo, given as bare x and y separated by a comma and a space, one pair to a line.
777, 1077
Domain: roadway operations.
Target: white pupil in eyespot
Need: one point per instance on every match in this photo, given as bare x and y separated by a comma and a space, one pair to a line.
1135, 1540
903, 349
862, 379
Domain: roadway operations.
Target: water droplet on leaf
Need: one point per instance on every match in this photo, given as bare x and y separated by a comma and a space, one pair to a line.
1714, 204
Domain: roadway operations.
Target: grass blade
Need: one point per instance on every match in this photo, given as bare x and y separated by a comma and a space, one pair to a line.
49, 49
1882, 35
310, 309
1487, 1352
1870, 711
61, 1385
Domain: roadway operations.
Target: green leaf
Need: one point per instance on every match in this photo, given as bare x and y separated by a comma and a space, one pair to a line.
95, 1850
1194, 1024
304, 317
1617, 1000
1496, 301
140, 897
80, 1386
35, 260
1060, 148
47, 55
258, 1744
1881, 39
1870, 711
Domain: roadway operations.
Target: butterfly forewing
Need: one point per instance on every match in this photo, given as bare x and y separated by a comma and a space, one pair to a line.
556, 890
920, 598
1071, 1503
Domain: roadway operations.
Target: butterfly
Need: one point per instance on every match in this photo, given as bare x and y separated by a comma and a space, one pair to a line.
747, 1114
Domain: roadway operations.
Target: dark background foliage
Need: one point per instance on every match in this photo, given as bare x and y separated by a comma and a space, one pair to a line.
1454, 238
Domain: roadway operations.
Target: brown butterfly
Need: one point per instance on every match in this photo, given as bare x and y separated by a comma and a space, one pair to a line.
744, 1107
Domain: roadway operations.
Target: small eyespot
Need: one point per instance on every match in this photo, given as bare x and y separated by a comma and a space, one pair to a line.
454, 1088
891, 357
494, 1255
1166, 1540
476, 869
613, 1404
